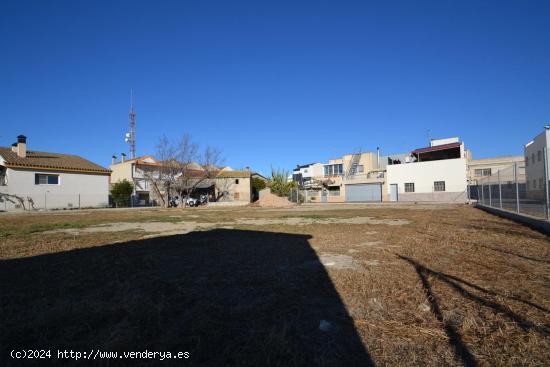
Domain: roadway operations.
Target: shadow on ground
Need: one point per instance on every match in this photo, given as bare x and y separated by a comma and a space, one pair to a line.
228, 297
485, 298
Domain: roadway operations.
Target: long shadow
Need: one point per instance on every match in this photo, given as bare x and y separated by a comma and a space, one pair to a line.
454, 282
228, 297
514, 254
460, 349
446, 277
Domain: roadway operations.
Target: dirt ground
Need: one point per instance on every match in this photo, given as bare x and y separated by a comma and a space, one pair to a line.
325, 285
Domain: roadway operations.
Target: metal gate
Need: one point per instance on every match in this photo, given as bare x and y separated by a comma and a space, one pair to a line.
364, 193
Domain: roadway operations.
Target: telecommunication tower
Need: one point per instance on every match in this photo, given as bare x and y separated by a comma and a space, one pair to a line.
131, 134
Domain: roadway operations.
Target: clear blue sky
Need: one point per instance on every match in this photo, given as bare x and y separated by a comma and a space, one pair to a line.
274, 82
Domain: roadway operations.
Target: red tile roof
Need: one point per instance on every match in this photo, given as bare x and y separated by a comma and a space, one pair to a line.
436, 148
51, 161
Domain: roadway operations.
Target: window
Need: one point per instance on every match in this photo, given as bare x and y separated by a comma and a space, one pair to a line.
409, 187
360, 168
237, 181
526, 160
482, 172
534, 184
533, 158
334, 169
539, 155
439, 186
41, 179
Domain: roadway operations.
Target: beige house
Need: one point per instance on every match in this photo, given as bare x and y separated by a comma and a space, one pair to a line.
351, 178
479, 168
229, 185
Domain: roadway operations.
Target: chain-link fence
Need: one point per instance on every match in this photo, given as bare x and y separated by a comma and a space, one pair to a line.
515, 189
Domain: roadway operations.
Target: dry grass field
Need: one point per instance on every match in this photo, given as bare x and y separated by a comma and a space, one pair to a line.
437, 285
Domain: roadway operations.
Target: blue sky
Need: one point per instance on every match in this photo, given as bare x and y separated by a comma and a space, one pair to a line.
274, 82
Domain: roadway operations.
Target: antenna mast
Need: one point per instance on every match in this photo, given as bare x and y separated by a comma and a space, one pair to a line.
131, 134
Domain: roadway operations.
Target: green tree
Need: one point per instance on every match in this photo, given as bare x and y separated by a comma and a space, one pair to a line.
279, 183
121, 192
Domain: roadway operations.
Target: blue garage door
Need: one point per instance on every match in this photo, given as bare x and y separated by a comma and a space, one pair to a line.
364, 193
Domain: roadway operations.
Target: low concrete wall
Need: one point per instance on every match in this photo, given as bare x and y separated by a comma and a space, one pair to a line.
535, 223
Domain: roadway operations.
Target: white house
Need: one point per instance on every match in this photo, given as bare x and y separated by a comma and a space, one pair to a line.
434, 173
307, 173
535, 160
41, 180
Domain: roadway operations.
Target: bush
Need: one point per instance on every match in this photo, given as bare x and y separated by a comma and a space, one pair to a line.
279, 183
122, 193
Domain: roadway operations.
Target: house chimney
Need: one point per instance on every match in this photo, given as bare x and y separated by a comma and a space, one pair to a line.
122, 157
14, 147
21, 146
113, 159
378, 157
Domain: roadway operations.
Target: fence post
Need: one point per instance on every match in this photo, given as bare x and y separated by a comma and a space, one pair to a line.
517, 186
499, 189
78, 201
482, 194
547, 194
490, 195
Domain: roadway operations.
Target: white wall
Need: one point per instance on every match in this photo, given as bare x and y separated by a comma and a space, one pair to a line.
534, 171
93, 190
423, 175
436, 142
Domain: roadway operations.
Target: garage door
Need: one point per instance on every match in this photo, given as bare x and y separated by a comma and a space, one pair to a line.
364, 192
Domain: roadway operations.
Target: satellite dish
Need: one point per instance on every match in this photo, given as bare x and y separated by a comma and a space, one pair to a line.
127, 135
126, 139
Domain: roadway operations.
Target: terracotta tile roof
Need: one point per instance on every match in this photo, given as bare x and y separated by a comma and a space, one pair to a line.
51, 161
236, 174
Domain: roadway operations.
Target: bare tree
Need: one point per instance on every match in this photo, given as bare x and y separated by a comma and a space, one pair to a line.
195, 167
182, 168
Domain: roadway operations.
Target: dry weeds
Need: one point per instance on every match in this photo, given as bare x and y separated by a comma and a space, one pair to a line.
450, 286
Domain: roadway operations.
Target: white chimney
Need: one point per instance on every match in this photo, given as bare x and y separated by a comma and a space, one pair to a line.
113, 159
22, 146
122, 157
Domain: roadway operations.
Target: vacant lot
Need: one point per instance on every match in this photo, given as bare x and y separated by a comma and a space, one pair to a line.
318, 285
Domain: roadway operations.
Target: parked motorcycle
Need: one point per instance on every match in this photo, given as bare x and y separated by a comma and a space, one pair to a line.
173, 202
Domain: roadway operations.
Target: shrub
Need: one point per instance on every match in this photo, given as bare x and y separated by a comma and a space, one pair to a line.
279, 183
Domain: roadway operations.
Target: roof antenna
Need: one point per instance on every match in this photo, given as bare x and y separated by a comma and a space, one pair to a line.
131, 134
429, 137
